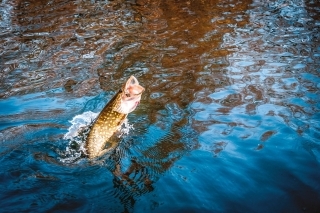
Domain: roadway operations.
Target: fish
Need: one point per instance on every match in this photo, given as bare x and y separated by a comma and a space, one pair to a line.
111, 118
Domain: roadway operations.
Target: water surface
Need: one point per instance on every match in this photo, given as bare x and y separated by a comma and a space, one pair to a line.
229, 121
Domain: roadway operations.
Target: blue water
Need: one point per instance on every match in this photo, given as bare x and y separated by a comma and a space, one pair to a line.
229, 121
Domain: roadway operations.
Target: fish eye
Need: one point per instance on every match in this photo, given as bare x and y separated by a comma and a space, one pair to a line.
127, 94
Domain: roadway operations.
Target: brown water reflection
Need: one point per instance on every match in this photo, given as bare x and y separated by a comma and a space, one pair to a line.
236, 79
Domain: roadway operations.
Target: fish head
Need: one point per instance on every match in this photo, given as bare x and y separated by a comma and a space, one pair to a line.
130, 96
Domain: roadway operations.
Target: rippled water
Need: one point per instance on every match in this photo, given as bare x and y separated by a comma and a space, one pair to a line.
229, 121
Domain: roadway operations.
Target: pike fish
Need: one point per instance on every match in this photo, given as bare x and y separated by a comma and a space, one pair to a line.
112, 116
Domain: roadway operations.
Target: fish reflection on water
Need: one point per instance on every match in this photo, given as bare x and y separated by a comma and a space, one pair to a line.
229, 121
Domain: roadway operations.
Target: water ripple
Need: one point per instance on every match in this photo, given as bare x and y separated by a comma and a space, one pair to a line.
230, 111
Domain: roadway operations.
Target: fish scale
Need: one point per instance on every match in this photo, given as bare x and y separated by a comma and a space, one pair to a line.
111, 118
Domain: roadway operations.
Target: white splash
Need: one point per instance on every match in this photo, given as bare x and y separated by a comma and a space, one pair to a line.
76, 135
78, 123
125, 128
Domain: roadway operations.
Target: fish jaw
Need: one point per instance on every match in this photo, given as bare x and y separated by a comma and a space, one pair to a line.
131, 96
128, 106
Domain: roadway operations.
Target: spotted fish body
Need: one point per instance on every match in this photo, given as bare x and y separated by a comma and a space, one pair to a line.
112, 116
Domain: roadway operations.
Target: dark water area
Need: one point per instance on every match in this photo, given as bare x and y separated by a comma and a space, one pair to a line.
229, 121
